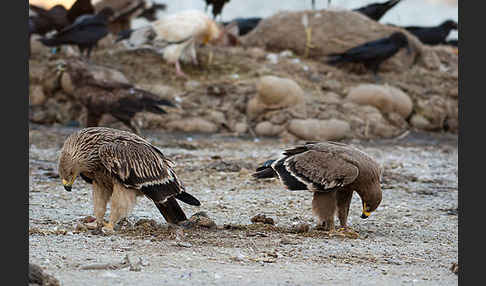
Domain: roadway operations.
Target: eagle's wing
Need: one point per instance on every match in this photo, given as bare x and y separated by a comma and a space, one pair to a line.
322, 169
143, 167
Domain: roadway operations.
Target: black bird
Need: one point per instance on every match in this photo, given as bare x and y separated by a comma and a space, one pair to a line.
56, 18
376, 10
433, 35
85, 32
150, 13
245, 25
217, 6
373, 53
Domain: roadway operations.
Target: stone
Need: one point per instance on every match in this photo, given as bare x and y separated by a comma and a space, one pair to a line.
386, 98
314, 129
194, 124
266, 128
36, 95
277, 92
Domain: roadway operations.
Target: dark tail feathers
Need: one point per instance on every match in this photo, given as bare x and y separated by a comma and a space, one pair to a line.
188, 199
265, 171
171, 211
146, 102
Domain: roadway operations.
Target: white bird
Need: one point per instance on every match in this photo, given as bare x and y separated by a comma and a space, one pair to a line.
191, 27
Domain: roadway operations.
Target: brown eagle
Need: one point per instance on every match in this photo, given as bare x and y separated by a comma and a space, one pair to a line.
108, 96
121, 166
332, 171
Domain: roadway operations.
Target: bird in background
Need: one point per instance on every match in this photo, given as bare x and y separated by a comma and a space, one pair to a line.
56, 18
186, 28
217, 6
245, 25
122, 166
435, 35
375, 11
85, 32
372, 54
331, 171
101, 96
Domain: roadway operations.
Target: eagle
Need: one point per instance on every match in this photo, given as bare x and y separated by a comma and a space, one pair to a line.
102, 96
121, 166
332, 171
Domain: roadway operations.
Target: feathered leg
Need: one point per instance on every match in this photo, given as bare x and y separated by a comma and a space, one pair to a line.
122, 202
324, 208
101, 196
343, 203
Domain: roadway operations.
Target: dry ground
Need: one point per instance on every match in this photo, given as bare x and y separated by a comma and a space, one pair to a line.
411, 239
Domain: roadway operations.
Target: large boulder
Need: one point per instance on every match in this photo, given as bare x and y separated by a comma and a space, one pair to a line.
332, 32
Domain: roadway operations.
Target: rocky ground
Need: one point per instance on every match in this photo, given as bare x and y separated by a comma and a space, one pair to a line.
411, 239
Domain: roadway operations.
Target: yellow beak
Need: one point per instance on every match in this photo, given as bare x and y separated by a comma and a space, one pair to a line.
67, 185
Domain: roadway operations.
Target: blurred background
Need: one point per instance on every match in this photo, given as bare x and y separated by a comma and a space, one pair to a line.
408, 13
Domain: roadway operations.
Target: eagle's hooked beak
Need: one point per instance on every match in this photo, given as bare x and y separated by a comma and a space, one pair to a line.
365, 214
68, 185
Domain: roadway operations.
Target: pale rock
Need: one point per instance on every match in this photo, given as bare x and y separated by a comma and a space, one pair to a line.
276, 92
314, 129
386, 98
266, 128
36, 95
194, 124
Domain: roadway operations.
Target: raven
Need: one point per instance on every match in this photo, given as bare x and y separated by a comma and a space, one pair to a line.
217, 6
433, 35
376, 10
85, 32
245, 25
373, 53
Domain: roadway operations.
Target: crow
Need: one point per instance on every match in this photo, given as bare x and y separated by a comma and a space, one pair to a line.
433, 35
85, 32
217, 6
373, 53
150, 13
245, 25
376, 10
56, 18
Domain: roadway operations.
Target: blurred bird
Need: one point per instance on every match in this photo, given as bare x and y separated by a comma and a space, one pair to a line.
433, 35
373, 53
376, 10
101, 96
188, 28
217, 6
453, 42
245, 25
150, 11
124, 12
85, 32
56, 18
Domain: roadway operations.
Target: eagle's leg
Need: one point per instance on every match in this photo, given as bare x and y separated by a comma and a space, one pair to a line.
101, 197
324, 208
122, 202
343, 203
